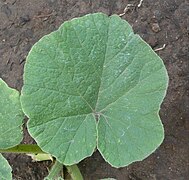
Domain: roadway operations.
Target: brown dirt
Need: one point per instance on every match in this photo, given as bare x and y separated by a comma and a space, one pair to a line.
22, 23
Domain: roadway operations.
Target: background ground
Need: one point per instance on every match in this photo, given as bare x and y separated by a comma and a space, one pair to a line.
22, 23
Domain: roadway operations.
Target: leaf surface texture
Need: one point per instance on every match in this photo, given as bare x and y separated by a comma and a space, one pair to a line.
94, 83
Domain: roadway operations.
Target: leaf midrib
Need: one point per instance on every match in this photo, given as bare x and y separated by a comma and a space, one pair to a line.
105, 53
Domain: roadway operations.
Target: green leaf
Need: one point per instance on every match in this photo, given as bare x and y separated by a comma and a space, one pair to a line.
94, 82
5, 169
11, 117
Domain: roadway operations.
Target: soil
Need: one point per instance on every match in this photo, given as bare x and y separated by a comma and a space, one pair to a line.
22, 23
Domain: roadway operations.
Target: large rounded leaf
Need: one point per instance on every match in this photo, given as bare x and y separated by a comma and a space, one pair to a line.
94, 82
5, 169
11, 117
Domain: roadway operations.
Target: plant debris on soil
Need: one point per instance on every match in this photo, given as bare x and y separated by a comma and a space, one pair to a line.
162, 24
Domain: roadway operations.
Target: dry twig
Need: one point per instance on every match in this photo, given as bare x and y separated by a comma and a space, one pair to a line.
127, 8
140, 3
43, 15
161, 48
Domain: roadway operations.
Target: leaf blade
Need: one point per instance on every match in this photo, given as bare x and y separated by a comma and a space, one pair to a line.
137, 91
11, 117
87, 69
5, 169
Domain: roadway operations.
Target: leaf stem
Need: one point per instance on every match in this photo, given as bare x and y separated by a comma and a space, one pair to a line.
35, 149
55, 170
74, 172
24, 148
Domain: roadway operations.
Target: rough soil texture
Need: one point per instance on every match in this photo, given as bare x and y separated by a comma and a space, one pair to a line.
22, 23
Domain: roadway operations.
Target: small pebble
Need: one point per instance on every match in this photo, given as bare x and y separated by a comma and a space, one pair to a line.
152, 41
155, 27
